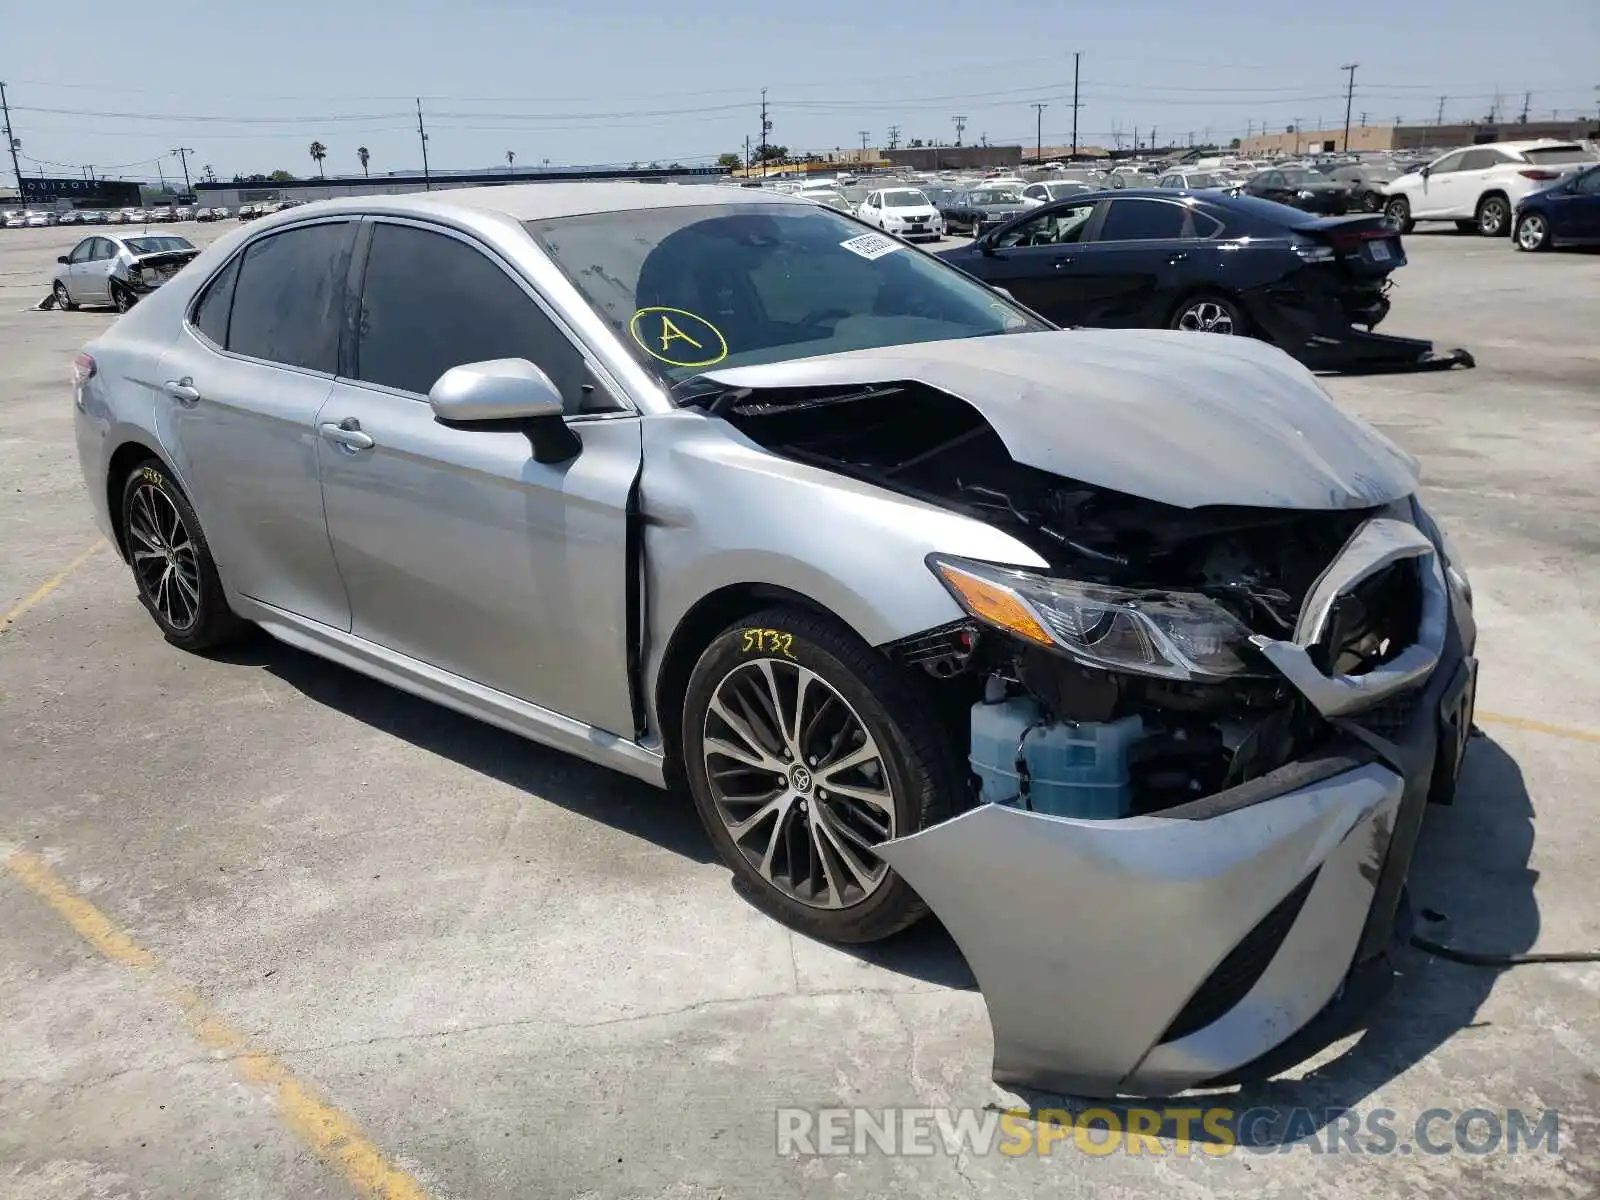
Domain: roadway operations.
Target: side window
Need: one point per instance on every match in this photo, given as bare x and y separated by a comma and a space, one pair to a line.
1450, 162
211, 314
288, 304
1202, 225
82, 251
1589, 185
1271, 179
1477, 160
1034, 191
1060, 226
431, 302
104, 248
1142, 220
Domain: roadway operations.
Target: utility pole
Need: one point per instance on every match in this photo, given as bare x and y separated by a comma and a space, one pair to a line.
427, 179
865, 134
1297, 135
1527, 99
1152, 139
747, 153
1349, 96
1076, 56
1363, 120
1038, 132
11, 142
961, 124
894, 137
765, 126
183, 153
161, 175
1439, 117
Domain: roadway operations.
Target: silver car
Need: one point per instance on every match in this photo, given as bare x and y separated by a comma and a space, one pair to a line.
1124, 652
118, 268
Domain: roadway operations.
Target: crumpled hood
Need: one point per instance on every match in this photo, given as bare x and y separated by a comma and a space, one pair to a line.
1187, 419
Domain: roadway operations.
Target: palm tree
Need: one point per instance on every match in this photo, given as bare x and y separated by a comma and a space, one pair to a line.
319, 152
511, 158
363, 154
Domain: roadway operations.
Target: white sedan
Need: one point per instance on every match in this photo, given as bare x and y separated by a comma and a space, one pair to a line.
904, 212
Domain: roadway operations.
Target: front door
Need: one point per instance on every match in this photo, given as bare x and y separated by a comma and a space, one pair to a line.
1140, 247
237, 398
459, 549
1033, 260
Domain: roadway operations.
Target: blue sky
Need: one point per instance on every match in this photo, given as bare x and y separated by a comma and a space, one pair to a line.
248, 87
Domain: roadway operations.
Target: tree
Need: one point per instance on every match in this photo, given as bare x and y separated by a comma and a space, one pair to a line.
278, 176
319, 152
208, 174
365, 156
511, 158
771, 154
916, 143
730, 160
1234, 144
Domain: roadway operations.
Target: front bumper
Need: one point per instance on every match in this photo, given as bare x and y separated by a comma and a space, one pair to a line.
1214, 941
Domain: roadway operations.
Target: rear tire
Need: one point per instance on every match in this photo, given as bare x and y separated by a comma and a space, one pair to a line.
1210, 313
1398, 210
1532, 233
121, 298
1494, 216
763, 792
172, 564
63, 300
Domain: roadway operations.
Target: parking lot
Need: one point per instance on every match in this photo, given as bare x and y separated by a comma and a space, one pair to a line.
271, 929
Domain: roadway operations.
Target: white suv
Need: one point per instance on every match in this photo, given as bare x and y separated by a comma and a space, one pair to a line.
1479, 187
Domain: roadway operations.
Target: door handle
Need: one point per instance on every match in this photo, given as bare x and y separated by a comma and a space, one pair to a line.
1063, 260
183, 391
1174, 259
347, 433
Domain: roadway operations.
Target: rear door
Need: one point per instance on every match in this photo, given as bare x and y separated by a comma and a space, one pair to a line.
458, 548
97, 271
240, 392
1140, 246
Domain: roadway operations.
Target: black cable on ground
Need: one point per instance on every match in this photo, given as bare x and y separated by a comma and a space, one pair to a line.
1474, 959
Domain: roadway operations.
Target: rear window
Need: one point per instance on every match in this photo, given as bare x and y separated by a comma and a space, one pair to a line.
1558, 154
158, 245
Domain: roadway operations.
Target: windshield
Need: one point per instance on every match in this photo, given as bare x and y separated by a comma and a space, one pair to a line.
909, 199
732, 285
158, 245
1558, 154
995, 196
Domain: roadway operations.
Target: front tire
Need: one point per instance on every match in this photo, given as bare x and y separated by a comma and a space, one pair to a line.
1494, 216
172, 564
64, 300
804, 748
1398, 211
1210, 313
1532, 232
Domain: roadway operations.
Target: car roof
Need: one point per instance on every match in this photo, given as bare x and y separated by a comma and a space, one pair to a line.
539, 201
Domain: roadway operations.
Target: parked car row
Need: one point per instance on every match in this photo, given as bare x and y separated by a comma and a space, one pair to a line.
1480, 187
153, 215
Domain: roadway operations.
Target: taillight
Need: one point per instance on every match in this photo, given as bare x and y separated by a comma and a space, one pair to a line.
1535, 174
83, 369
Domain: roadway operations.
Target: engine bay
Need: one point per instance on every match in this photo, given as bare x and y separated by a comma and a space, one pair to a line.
1192, 739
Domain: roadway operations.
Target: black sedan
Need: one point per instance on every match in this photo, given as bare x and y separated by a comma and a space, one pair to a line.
1297, 187
975, 210
1149, 258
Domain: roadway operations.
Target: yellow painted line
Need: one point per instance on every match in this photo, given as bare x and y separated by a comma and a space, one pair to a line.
49, 585
331, 1134
1560, 731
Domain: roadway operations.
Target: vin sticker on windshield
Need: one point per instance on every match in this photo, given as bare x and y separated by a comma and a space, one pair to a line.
871, 245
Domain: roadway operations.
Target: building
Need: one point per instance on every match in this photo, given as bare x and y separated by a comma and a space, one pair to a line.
264, 190
1063, 153
953, 158
1415, 137
77, 192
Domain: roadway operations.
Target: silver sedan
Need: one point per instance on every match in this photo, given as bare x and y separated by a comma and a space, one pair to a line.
1125, 652
118, 269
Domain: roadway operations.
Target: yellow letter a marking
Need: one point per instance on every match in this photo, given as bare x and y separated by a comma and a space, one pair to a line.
670, 331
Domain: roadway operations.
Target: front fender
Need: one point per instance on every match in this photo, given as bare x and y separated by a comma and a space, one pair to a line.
721, 511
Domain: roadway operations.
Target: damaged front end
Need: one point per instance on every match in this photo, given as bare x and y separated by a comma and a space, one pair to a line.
1200, 739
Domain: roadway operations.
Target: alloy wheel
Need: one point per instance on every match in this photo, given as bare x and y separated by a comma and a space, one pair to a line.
63, 298
1492, 217
1206, 316
1398, 211
122, 298
164, 558
1531, 232
799, 783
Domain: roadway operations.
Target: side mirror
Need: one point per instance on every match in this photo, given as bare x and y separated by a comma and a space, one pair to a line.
61, 258
1425, 172
506, 393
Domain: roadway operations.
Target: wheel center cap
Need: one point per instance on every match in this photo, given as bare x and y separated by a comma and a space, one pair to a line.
800, 778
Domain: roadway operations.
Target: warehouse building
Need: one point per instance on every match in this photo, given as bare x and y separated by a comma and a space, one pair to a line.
1415, 137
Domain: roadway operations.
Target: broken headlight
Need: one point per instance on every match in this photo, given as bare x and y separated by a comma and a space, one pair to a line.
1173, 635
